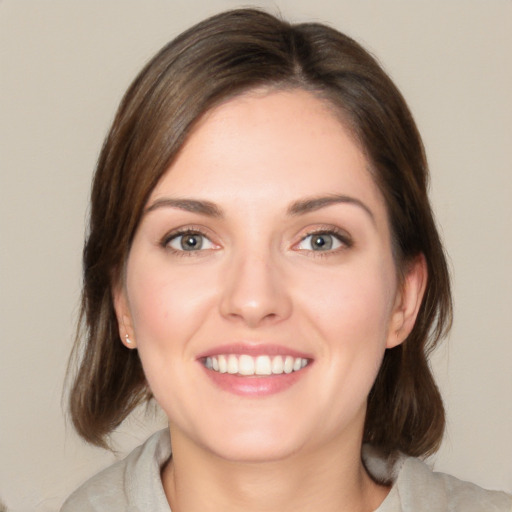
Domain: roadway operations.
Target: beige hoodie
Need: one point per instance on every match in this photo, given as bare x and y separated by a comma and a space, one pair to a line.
133, 485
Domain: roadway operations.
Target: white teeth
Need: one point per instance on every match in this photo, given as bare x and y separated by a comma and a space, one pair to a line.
232, 364
261, 365
223, 364
246, 365
288, 364
278, 365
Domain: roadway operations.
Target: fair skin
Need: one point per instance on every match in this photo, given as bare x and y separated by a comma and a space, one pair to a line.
267, 240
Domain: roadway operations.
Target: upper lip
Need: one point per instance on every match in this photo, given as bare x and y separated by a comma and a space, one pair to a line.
253, 349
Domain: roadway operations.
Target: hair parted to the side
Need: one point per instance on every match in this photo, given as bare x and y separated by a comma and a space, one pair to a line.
219, 58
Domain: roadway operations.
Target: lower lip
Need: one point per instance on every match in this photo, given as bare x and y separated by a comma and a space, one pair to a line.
255, 386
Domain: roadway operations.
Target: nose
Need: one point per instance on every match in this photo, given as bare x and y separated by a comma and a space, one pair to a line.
254, 291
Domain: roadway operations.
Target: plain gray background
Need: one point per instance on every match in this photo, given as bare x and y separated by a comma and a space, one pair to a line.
64, 66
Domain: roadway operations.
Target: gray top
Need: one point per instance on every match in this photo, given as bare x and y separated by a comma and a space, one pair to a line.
134, 485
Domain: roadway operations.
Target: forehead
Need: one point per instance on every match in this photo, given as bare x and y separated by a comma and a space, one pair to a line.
270, 144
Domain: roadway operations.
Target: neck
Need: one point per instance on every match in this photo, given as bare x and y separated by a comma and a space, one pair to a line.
330, 479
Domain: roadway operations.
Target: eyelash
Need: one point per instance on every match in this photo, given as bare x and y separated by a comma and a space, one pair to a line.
341, 236
169, 237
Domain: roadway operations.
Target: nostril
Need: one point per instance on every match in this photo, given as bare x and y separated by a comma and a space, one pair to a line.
254, 292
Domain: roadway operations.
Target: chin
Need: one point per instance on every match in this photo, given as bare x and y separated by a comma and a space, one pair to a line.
255, 448
250, 437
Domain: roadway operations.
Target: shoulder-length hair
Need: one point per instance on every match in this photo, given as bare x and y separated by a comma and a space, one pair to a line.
217, 59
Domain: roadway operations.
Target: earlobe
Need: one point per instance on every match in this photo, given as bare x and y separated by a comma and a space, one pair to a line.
408, 301
123, 315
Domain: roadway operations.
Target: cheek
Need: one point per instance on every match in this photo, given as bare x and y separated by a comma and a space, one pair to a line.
350, 310
352, 319
167, 305
353, 303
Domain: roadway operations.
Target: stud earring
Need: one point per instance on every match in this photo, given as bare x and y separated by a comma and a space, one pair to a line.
128, 340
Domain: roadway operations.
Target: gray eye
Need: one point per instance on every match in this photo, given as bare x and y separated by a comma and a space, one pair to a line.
190, 242
319, 242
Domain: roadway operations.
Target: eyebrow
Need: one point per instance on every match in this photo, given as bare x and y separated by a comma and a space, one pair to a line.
299, 207
313, 204
190, 205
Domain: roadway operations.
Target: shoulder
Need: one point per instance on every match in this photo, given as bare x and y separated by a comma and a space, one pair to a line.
120, 487
419, 486
416, 488
104, 491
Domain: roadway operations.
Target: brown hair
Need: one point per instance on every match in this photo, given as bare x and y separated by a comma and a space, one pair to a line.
213, 61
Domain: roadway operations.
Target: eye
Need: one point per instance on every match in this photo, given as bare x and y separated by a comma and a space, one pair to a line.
322, 242
189, 241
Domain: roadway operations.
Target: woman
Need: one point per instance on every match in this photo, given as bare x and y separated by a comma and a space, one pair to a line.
263, 261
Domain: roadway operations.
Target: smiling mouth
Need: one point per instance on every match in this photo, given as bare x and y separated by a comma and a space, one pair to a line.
262, 365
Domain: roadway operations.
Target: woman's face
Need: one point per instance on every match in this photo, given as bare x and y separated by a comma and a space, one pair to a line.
260, 288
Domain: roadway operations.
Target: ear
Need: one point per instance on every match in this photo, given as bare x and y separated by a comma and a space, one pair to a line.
408, 301
124, 318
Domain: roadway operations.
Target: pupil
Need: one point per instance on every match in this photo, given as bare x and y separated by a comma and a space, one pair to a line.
322, 242
191, 242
